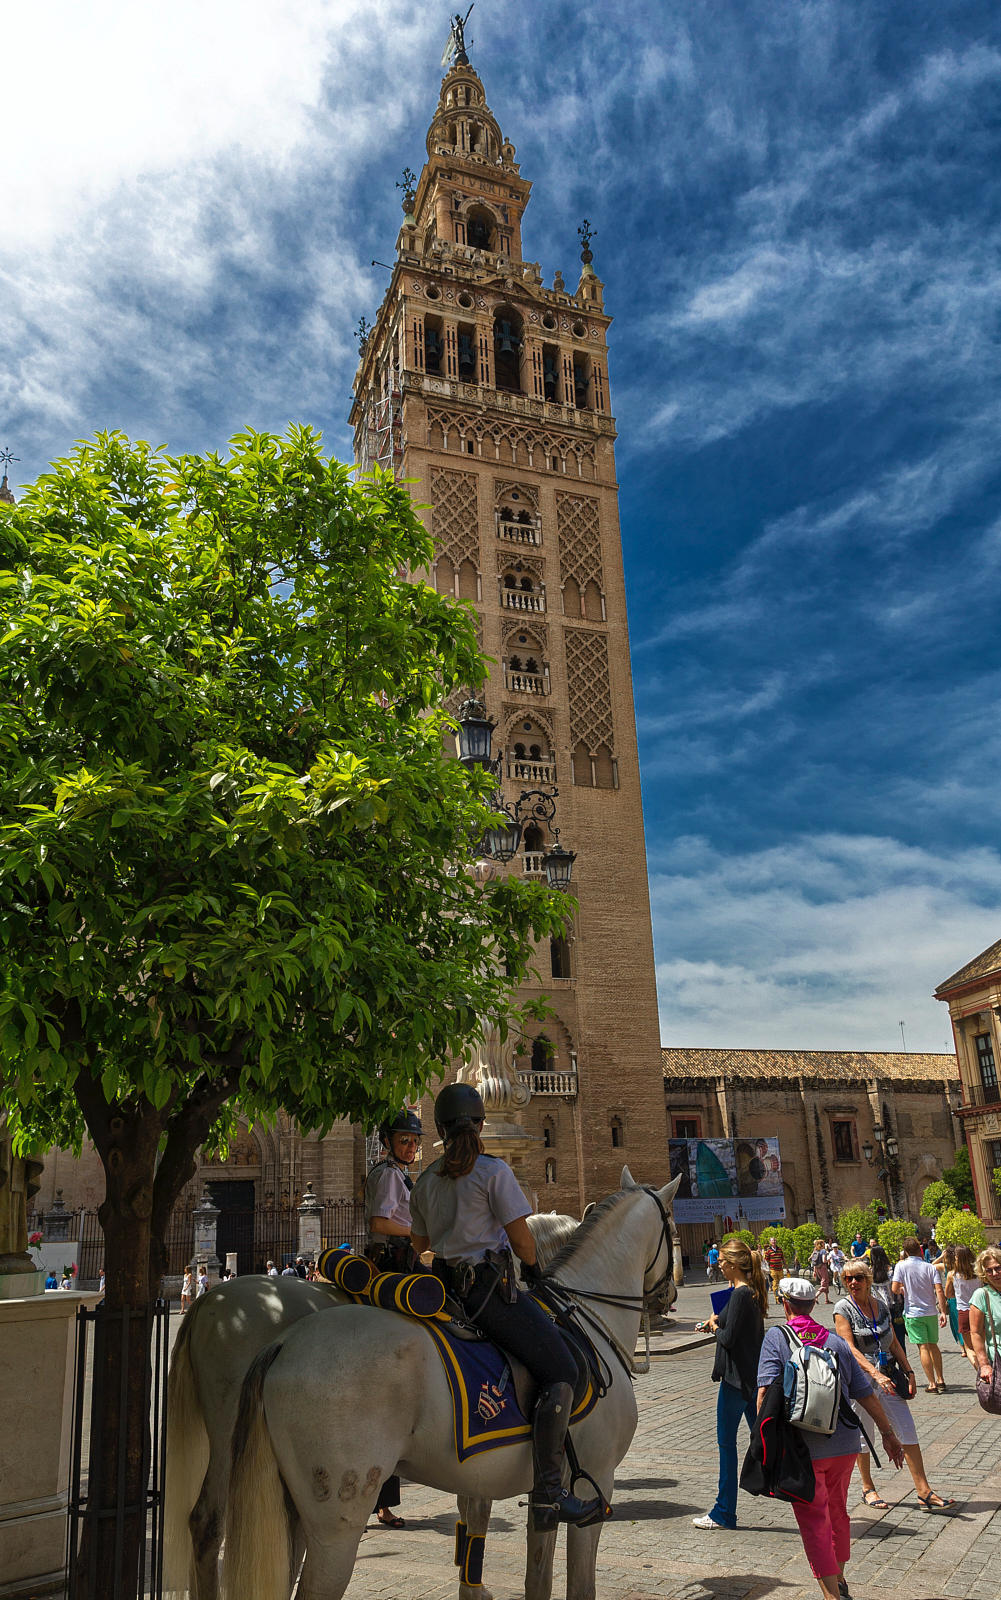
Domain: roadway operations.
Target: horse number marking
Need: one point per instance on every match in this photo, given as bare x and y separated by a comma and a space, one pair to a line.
372, 1481
349, 1485
321, 1483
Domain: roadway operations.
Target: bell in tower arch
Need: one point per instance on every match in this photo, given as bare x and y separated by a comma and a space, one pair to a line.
467, 357
477, 233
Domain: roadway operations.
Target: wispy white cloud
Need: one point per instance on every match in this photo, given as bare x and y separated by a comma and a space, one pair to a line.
824, 943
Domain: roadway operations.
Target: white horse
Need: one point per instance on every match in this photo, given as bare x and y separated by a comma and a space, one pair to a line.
218, 1339
330, 1410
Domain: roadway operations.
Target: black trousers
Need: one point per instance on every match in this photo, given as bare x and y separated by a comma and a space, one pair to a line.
525, 1331
389, 1494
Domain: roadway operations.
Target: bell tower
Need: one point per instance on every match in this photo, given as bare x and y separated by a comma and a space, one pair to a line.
491, 390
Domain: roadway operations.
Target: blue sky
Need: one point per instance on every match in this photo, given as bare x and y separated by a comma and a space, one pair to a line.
797, 215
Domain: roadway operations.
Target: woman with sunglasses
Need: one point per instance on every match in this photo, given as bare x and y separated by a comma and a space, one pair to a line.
985, 1311
863, 1321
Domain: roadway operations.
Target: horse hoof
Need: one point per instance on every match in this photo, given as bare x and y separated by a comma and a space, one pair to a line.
474, 1591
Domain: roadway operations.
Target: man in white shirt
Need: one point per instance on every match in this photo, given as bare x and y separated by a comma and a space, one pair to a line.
925, 1310
272, 1270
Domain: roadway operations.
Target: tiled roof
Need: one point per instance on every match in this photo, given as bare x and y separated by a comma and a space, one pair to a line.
987, 961
851, 1065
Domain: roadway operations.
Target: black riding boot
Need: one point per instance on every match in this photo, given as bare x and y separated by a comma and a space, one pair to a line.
550, 1503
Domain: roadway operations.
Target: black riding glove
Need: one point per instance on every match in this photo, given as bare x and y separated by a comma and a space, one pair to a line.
531, 1274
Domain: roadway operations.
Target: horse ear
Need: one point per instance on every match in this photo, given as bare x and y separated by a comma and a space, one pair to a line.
669, 1190
627, 1181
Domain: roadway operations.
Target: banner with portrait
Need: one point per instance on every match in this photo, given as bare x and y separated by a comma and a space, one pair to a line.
738, 1180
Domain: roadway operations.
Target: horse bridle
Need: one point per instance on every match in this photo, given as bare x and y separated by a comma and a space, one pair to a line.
630, 1302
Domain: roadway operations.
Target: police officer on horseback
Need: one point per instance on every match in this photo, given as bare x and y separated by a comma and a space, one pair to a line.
387, 1193
470, 1207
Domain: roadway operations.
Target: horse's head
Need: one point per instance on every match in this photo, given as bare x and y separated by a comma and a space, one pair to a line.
659, 1287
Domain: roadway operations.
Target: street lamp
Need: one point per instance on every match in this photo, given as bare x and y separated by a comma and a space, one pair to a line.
502, 838
886, 1150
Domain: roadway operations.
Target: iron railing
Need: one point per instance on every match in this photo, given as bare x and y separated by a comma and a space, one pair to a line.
87, 1518
981, 1094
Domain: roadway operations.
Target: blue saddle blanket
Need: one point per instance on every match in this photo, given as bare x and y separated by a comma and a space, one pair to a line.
487, 1413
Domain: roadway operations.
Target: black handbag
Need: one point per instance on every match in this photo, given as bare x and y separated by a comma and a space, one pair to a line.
899, 1378
989, 1389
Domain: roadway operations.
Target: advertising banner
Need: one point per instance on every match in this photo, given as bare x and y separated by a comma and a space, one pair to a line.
738, 1180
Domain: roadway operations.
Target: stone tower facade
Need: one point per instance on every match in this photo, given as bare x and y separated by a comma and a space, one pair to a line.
491, 391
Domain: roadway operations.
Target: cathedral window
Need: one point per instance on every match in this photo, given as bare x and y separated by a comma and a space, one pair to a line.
541, 1053
618, 1133
559, 954
548, 1133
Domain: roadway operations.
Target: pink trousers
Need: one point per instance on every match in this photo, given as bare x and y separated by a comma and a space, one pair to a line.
825, 1526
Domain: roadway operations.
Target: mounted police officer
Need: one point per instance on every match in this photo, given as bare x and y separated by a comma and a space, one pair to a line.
387, 1194
470, 1207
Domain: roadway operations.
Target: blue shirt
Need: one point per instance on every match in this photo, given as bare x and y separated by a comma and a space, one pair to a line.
843, 1441
859, 1247
713, 1256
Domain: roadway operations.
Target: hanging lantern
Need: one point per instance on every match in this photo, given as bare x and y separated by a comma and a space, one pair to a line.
475, 732
559, 866
502, 838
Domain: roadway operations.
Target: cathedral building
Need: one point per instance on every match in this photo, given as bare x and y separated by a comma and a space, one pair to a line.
491, 390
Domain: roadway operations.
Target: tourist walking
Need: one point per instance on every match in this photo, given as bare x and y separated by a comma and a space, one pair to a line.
883, 1290
863, 1321
712, 1263
985, 1311
924, 1309
776, 1264
836, 1261
963, 1283
739, 1330
272, 1270
820, 1269
187, 1289
824, 1524
946, 1262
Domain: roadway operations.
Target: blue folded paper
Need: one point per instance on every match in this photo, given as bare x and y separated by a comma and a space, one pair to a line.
719, 1299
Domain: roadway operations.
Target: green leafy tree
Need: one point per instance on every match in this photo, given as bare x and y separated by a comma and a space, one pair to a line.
892, 1234
234, 862
961, 1227
939, 1196
804, 1236
746, 1235
960, 1178
996, 1179
856, 1219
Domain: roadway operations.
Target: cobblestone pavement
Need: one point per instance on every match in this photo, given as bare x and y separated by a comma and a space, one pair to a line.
650, 1549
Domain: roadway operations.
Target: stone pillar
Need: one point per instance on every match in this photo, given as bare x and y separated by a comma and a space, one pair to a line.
37, 1350
205, 1217
310, 1225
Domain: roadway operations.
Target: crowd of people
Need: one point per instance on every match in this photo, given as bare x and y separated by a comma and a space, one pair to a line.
882, 1308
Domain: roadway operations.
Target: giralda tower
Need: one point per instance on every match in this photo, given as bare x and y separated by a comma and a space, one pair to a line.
492, 392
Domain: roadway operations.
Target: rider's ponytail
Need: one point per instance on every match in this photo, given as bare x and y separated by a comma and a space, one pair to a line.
462, 1146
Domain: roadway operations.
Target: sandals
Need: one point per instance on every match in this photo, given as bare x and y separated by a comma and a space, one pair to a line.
878, 1504
931, 1388
940, 1388
389, 1522
925, 1501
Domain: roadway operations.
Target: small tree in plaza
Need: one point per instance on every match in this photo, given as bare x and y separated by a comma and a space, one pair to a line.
960, 1178
961, 1227
745, 1234
233, 859
939, 1196
785, 1238
857, 1219
892, 1234
805, 1235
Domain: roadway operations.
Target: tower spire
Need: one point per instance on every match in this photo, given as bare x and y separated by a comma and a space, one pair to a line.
6, 497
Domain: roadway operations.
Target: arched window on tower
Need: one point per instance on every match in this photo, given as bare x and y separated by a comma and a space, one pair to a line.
559, 953
541, 1053
467, 581
618, 1133
444, 576
480, 228
548, 1133
583, 776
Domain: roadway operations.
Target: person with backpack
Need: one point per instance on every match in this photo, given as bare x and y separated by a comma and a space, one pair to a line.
863, 1321
823, 1377
739, 1330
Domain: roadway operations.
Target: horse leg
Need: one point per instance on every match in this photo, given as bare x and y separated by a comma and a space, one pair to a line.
539, 1570
582, 1547
474, 1515
330, 1560
206, 1524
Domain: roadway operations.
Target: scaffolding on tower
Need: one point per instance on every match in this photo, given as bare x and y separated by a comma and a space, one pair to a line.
385, 433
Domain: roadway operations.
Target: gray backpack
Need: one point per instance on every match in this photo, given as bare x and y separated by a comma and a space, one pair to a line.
811, 1384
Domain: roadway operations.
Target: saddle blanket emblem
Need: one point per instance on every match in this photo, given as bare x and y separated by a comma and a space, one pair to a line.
485, 1406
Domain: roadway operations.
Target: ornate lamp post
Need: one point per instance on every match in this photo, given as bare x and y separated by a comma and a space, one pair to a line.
502, 839
886, 1152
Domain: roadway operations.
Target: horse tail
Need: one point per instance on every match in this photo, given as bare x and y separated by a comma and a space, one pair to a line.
187, 1461
257, 1564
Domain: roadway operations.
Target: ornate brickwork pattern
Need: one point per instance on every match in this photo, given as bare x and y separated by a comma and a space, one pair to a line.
579, 539
455, 524
527, 491
534, 447
590, 693
534, 629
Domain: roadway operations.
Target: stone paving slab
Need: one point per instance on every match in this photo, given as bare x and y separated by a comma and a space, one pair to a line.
650, 1551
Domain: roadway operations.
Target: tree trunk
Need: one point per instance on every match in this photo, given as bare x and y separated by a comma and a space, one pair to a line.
120, 1415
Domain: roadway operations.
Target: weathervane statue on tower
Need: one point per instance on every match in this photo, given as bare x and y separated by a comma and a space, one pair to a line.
456, 46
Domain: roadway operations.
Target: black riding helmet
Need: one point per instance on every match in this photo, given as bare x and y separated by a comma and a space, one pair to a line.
404, 1122
458, 1106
